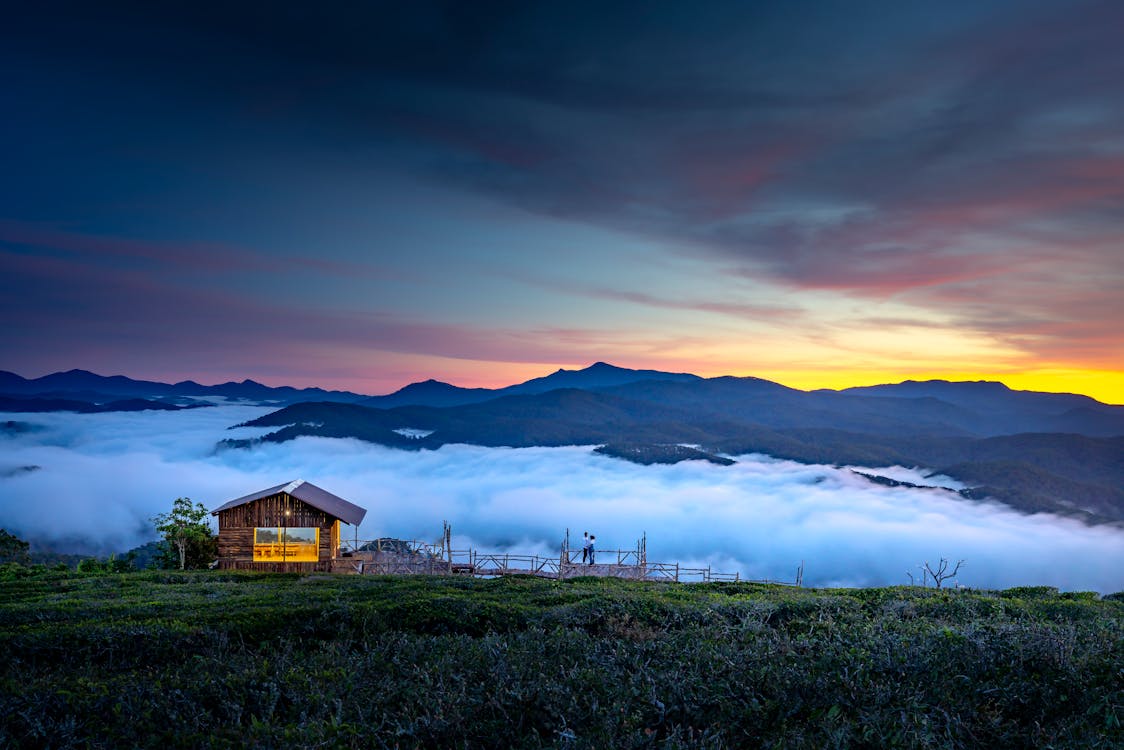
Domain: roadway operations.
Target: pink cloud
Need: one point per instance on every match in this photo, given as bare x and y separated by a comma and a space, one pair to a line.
106, 319
208, 257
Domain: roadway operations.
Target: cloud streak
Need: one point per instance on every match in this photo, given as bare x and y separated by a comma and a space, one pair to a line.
167, 319
104, 475
421, 166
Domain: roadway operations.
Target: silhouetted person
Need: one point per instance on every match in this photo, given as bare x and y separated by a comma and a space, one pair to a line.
592, 551
585, 546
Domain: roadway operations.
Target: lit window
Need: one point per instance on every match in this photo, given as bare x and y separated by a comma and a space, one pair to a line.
281, 544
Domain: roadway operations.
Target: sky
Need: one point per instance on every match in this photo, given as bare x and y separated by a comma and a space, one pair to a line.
102, 476
363, 195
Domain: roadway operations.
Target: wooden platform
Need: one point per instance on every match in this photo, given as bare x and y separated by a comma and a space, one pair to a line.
396, 557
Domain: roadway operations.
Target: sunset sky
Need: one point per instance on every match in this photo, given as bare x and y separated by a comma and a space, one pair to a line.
361, 195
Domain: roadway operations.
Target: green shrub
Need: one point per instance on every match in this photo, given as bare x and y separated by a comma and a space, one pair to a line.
91, 565
1030, 592
11, 570
238, 659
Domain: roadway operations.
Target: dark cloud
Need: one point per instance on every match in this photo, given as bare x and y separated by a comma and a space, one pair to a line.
922, 152
147, 317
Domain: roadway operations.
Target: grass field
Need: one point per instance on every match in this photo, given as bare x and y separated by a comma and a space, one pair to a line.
172, 660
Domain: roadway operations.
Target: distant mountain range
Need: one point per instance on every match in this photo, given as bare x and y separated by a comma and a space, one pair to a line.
39, 404
1060, 453
930, 407
1034, 451
597, 375
89, 388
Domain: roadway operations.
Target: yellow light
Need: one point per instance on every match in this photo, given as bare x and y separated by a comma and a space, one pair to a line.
1104, 385
279, 545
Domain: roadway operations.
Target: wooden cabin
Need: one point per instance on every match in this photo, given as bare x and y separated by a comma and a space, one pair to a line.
292, 527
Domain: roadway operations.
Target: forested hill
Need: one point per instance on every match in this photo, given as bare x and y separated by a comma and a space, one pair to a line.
1061, 472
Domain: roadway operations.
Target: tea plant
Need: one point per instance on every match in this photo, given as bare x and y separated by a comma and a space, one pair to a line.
221, 659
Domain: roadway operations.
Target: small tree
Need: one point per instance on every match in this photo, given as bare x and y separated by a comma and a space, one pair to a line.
942, 572
188, 538
112, 564
12, 548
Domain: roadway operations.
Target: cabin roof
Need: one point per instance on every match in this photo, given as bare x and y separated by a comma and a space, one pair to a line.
308, 492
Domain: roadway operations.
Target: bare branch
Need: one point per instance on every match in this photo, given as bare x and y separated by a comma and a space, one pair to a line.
942, 573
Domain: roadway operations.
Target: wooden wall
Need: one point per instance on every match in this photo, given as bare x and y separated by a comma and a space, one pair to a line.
236, 533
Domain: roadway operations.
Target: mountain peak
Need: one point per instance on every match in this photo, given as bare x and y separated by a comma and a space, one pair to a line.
432, 384
993, 385
597, 375
596, 367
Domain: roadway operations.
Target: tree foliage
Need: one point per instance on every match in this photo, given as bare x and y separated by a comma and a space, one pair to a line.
12, 548
188, 539
112, 564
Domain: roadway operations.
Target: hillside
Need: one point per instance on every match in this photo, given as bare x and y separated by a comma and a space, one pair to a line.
157, 660
1061, 473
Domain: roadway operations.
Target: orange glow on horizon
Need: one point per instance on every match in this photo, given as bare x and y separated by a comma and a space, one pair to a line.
1106, 386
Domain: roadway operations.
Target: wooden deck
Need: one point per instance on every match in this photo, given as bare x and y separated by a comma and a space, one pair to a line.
395, 557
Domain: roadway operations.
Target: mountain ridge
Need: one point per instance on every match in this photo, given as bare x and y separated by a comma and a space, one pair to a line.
83, 385
1062, 453
598, 375
1063, 473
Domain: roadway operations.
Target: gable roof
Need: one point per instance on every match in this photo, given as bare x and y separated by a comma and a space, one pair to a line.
308, 492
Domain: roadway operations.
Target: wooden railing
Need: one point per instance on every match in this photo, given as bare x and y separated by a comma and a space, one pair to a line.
397, 557
490, 565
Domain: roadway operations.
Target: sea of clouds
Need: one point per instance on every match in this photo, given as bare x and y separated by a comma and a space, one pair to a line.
103, 476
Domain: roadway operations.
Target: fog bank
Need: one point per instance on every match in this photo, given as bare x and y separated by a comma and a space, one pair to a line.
104, 475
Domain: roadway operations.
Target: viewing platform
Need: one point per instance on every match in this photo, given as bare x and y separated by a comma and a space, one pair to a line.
400, 557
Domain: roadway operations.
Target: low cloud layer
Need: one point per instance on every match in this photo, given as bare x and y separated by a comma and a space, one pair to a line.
104, 475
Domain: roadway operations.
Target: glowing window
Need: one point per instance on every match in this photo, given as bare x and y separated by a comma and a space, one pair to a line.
281, 544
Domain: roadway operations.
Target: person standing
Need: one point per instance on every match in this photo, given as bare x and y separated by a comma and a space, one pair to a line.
585, 546
592, 550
